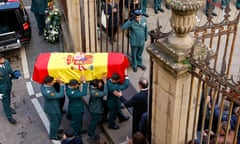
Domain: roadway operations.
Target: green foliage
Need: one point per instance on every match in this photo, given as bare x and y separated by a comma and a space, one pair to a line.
187, 62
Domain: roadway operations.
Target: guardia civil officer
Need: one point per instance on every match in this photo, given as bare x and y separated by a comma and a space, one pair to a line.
6, 76
113, 101
76, 105
137, 25
51, 105
97, 89
38, 7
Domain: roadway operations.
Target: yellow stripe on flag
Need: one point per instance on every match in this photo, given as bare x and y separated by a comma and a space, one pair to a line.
67, 66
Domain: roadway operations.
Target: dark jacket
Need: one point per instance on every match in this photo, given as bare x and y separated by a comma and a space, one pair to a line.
39, 6
51, 99
96, 99
112, 17
76, 104
139, 102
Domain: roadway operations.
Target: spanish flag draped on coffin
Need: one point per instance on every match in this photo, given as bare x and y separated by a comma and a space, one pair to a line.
67, 66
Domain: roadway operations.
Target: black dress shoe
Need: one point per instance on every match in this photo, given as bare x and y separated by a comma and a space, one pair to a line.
68, 116
124, 119
83, 131
57, 138
134, 69
156, 11
104, 121
160, 9
40, 32
167, 6
214, 14
63, 111
145, 14
94, 136
114, 127
12, 120
142, 67
60, 131
13, 111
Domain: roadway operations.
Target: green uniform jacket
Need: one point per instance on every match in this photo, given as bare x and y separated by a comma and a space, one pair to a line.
114, 101
5, 78
51, 97
39, 6
138, 31
96, 99
76, 104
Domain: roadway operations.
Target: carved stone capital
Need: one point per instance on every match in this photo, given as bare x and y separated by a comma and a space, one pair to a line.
183, 20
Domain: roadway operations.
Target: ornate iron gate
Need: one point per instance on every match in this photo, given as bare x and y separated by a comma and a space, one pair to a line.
120, 42
217, 97
215, 86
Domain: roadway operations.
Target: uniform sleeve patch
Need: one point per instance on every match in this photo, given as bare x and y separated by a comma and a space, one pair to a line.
52, 94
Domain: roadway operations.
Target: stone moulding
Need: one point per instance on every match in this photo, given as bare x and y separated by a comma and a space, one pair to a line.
162, 58
183, 21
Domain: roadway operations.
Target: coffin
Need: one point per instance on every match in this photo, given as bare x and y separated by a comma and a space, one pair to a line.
67, 66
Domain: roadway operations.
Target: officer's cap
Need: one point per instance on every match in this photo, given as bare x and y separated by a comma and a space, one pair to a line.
115, 76
48, 79
138, 12
73, 82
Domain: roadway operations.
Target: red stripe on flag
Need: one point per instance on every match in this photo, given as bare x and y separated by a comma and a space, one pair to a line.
117, 63
41, 67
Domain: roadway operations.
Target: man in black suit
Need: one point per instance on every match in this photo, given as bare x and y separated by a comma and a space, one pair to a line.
139, 102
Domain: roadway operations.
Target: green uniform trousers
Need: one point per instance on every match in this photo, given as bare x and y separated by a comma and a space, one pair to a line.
76, 122
144, 6
225, 3
157, 4
210, 3
55, 122
6, 102
95, 119
40, 21
136, 52
113, 114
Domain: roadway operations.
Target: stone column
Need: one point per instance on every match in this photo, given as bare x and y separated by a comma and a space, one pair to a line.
82, 24
170, 79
